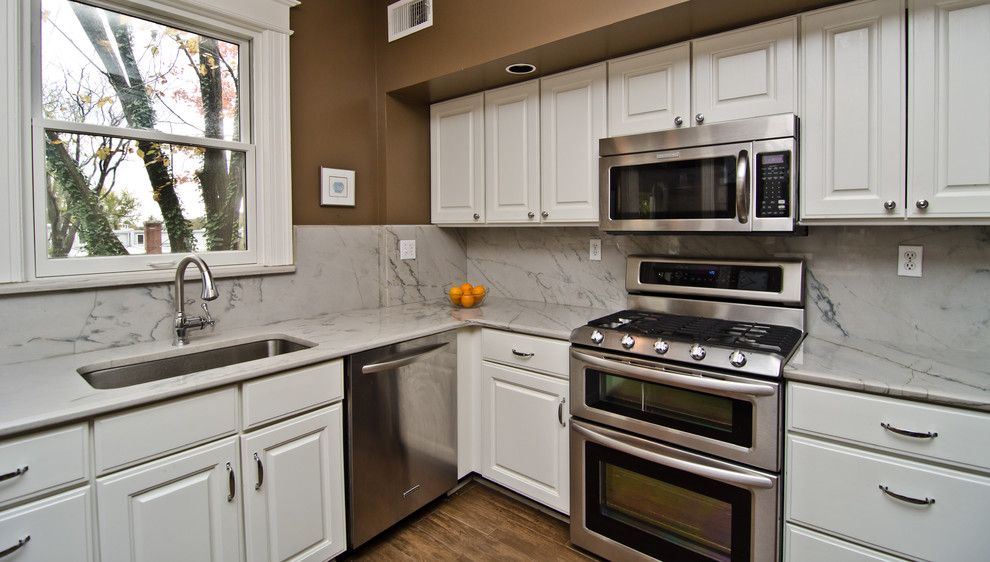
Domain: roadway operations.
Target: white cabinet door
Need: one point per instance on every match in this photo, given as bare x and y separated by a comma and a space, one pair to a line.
853, 111
524, 434
746, 72
182, 507
650, 91
55, 528
512, 153
949, 119
572, 120
457, 163
294, 488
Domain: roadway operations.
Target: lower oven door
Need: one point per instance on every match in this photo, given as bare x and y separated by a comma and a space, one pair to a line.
635, 499
732, 417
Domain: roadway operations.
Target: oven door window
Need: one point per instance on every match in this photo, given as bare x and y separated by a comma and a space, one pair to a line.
708, 415
666, 513
683, 189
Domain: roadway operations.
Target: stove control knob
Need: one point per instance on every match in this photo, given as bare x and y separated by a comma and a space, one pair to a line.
627, 341
597, 337
661, 346
737, 358
697, 352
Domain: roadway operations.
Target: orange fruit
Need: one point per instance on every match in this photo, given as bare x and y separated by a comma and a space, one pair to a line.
466, 288
478, 291
455, 295
467, 301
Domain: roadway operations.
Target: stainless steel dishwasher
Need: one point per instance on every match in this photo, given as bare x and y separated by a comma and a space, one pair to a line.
401, 405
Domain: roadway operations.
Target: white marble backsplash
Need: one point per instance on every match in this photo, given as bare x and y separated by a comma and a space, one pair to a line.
853, 291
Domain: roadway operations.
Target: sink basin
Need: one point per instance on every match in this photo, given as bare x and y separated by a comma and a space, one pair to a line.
184, 364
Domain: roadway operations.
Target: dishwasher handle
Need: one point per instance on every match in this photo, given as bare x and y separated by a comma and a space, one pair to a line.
402, 359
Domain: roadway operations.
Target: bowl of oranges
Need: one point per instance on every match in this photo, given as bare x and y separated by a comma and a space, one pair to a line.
467, 295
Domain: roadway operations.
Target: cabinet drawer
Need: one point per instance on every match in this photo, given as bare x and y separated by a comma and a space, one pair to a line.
801, 544
858, 417
59, 528
529, 352
284, 394
146, 433
53, 459
837, 488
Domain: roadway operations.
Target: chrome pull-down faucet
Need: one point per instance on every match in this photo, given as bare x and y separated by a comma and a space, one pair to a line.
182, 322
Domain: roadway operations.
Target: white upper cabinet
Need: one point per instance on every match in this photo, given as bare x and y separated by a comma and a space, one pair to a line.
852, 128
747, 72
572, 120
949, 119
512, 153
457, 163
650, 91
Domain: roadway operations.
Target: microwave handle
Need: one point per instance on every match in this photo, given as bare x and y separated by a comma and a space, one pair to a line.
742, 187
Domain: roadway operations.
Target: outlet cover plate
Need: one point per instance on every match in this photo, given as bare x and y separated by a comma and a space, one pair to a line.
909, 260
407, 249
595, 250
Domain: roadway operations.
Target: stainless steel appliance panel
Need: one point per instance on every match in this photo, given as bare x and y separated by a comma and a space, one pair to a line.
401, 403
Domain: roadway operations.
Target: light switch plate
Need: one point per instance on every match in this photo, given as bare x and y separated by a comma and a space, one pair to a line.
595, 250
407, 249
909, 260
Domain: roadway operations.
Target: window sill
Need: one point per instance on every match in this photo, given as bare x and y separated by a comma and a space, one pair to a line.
83, 282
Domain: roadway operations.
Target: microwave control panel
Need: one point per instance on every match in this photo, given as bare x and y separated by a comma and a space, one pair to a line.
773, 184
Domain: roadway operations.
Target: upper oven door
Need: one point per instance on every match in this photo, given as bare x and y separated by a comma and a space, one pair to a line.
706, 189
736, 418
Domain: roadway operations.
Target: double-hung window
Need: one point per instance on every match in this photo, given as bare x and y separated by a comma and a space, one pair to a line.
144, 138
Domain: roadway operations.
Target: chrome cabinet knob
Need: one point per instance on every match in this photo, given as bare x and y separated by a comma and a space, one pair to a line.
699, 118
627, 341
678, 121
531, 214
477, 216
545, 214
737, 358
890, 205
922, 204
697, 352
597, 337
661, 347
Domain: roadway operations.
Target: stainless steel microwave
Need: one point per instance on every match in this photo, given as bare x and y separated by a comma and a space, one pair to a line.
733, 177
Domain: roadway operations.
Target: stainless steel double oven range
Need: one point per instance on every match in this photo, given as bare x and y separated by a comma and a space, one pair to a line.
675, 443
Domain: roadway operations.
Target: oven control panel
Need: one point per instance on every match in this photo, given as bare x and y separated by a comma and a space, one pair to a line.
773, 184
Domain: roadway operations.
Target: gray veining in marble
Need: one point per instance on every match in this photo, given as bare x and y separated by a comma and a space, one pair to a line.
441, 261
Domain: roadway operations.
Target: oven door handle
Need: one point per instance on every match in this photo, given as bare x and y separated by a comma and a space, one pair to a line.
674, 379
742, 480
742, 187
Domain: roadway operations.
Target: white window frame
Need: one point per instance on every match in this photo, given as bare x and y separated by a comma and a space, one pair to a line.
260, 27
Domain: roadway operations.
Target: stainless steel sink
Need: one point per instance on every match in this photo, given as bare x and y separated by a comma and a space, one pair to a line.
178, 365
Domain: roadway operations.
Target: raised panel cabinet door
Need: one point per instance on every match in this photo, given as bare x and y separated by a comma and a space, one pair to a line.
747, 72
650, 91
949, 119
457, 162
512, 154
572, 120
55, 528
294, 489
182, 507
853, 133
524, 434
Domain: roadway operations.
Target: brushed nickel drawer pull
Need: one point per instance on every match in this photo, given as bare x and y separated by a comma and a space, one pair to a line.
522, 353
560, 412
261, 472
231, 483
907, 433
16, 547
907, 499
13, 473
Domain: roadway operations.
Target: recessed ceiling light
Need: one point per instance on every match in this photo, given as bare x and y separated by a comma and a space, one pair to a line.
520, 68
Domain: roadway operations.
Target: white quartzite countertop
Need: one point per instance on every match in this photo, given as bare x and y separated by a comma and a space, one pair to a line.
46, 392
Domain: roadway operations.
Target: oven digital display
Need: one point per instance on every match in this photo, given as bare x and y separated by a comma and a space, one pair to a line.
731, 277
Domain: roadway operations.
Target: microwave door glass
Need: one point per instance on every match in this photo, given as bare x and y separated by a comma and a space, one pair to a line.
683, 189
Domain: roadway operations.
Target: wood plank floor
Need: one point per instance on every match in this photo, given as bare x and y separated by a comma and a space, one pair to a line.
475, 523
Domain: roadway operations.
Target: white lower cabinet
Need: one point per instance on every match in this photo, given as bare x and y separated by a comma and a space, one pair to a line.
294, 488
55, 528
803, 545
182, 507
524, 433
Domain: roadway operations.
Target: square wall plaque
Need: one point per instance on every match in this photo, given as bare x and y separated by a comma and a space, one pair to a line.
336, 187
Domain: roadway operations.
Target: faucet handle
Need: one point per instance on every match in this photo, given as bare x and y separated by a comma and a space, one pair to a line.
208, 319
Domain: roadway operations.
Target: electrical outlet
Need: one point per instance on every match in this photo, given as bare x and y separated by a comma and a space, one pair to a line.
407, 249
595, 252
909, 260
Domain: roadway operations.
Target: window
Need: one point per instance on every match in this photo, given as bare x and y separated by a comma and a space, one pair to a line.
148, 136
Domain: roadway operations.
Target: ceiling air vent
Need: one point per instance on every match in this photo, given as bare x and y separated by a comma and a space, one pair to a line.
408, 16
